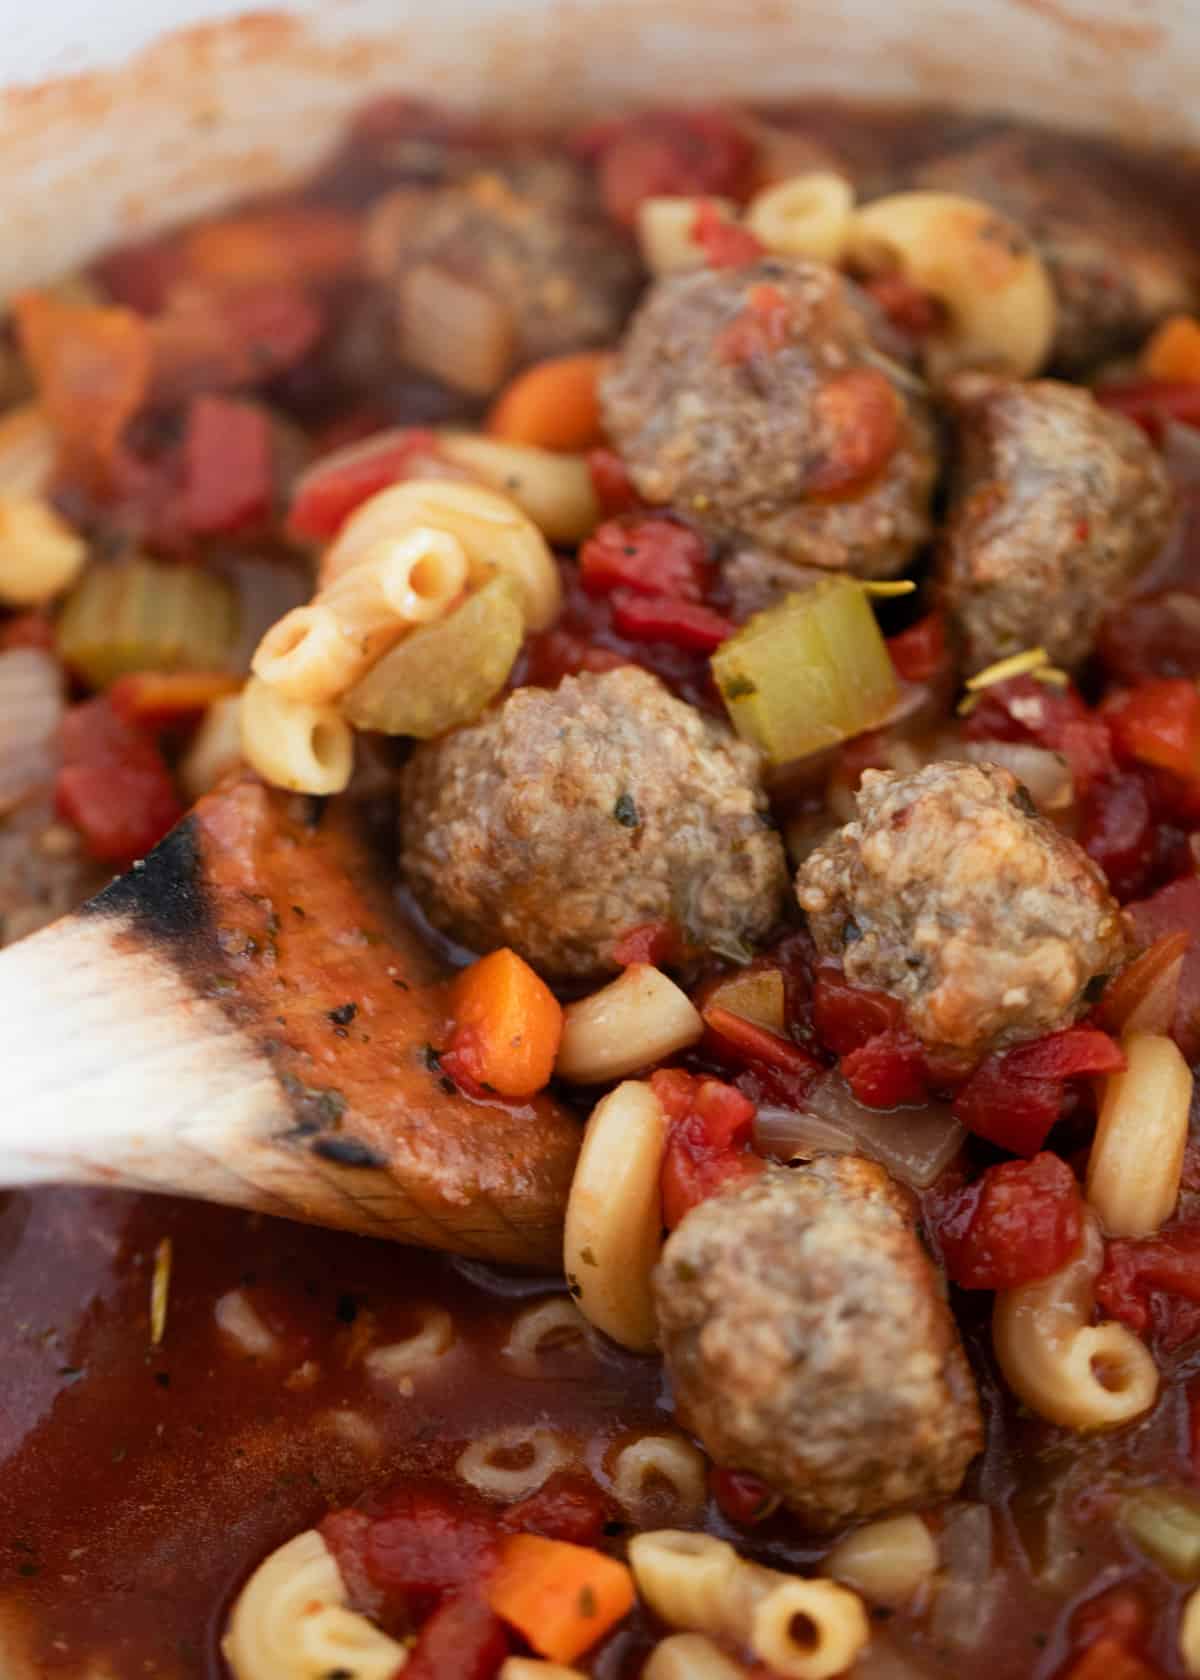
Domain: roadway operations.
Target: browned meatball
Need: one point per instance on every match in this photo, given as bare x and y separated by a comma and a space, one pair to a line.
566, 818
1118, 260
1056, 506
44, 870
950, 893
531, 236
808, 1341
757, 402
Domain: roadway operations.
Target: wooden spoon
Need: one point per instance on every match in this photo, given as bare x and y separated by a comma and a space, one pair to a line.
246, 1017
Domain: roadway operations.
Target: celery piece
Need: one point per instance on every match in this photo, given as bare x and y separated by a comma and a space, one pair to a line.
756, 995
443, 674
141, 615
1165, 1524
807, 673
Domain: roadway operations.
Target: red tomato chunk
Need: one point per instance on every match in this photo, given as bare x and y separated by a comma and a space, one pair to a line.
569, 1506
1019, 1222
1015, 1096
919, 653
725, 244
659, 618
1138, 1273
1158, 723
657, 154
330, 491
650, 556
1152, 403
708, 1145
1022, 709
416, 1544
882, 1061
114, 785
462, 1640
228, 469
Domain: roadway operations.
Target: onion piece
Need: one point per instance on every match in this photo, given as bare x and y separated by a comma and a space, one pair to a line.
969, 1591
1144, 997
914, 1144
459, 333
1045, 774
31, 710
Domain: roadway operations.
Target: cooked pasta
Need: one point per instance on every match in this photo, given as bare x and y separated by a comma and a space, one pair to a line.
554, 489
215, 747
537, 1331
494, 533
290, 1622
40, 554
806, 216
400, 1361
1189, 1633
241, 1324
613, 1230
665, 231
1065, 1368
690, 1656
807, 1630
640, 1018
533, 1668
304, 748
658, 1470
513, 1463
980, 266
888, 1562
1136, 1163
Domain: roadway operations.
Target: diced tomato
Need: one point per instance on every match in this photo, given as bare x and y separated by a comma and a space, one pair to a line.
783, 1070
845, 1016
228, 466
1119, 1613
648, 555
1019, 1222
462, 1640
1109, 1660
650, 942
1117, 831
160, 699
906, 306
1158, 723
567, 1507
857, 414
1193, 1427
28, 630
684, 154
1176, 909
114, 785
1015, 1096
663, 618
708, 1140
919, 653
887, 1071
743, 1497
1139, 1271
1022, 709
612, 483
213, 338
1156, 635
761, 327
1152, 403
329, 492
421, 1542
725, 244
141, 276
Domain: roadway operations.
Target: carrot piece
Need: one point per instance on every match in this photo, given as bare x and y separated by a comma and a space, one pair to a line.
553, 404
507, 1026
301, 243
561, 1598
161, 698
92, 369
1173, 351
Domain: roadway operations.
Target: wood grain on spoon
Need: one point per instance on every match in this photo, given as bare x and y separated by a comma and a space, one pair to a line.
245, 1017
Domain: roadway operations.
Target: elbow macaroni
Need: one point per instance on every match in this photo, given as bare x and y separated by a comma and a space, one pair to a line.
803, 1629
980, 266
295, 745
690, 1656
656, 1464
1136, 1163
613, 1230
805, 216
40, 554
636, 1020
399, 1361
887, 1562
215, 748
290, 1622
554, 489
1066, 1369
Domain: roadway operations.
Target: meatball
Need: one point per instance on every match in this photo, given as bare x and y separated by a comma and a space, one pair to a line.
531, 235
951, 894
808, 1341
44, 870
1056, 506
1118, 260
758, 402
566, 818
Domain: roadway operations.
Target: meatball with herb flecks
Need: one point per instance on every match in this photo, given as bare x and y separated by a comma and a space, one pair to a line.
564, 819
950, 893
808, 1341
760, 403
1056, 507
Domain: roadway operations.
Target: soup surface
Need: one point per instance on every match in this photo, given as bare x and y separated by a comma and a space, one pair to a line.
741, 569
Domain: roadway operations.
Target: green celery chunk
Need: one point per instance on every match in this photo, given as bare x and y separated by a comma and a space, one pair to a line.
140, 615
442, 675
1165, 1524
807, 673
